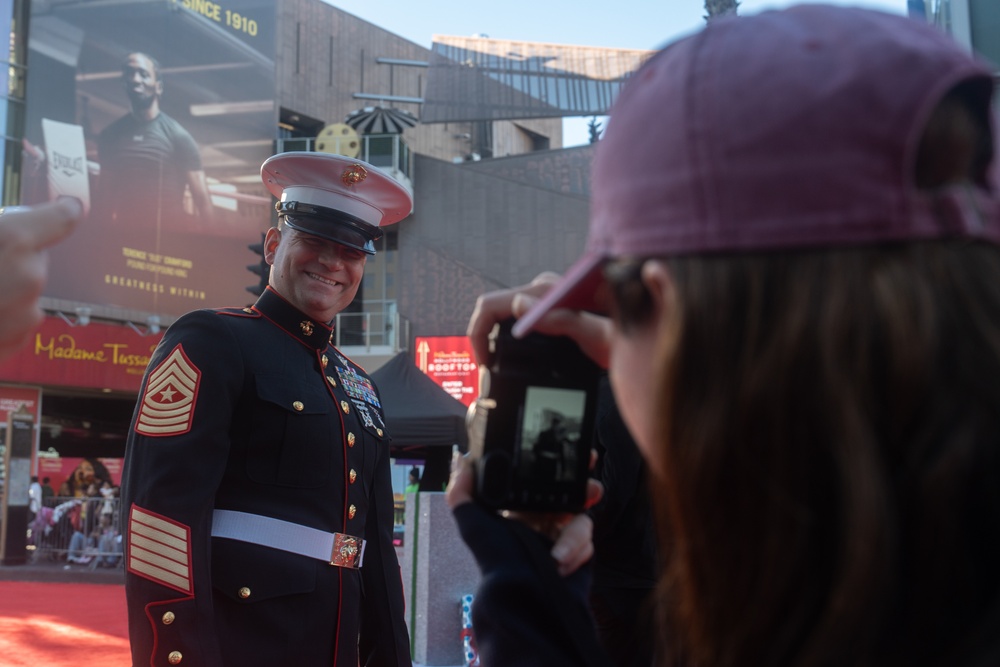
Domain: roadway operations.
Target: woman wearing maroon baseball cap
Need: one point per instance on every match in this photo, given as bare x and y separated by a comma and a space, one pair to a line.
793, 257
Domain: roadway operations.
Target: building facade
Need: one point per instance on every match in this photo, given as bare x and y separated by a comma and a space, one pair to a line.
496, 201
13, 22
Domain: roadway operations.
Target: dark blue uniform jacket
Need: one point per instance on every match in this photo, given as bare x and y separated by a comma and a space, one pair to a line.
254, 410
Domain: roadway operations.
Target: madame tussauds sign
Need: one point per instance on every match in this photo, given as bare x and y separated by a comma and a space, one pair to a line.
100, 356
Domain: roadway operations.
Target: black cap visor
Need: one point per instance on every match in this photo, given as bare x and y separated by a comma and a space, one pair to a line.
331, 225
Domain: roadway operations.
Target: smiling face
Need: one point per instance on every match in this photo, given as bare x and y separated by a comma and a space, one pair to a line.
142, 83
317, 276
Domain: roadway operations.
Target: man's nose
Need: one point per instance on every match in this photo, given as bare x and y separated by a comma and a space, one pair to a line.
331, 255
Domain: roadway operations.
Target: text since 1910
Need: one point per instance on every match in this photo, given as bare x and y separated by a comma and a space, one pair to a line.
214, 11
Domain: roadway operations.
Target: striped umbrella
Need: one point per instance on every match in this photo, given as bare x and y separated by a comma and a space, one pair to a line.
380, 120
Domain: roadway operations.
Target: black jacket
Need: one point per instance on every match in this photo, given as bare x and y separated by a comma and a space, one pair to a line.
524, 614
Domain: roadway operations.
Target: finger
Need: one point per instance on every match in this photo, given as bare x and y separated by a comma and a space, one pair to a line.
545, 280
490, 308
42, 225
500, 305
19, 291
575, 545
460, 484
595, 491
15, 332
592, 333
21, 282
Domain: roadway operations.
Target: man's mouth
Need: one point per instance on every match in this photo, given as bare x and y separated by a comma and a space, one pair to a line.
325, 281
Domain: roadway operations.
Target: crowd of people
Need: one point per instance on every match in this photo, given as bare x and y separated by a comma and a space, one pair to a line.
96, 537
80, 523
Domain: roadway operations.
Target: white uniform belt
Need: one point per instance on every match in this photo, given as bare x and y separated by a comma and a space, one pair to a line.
334, 548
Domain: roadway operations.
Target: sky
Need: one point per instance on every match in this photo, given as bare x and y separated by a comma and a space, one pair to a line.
626, 24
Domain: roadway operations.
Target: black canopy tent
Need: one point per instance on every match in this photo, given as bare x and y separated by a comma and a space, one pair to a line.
423, 419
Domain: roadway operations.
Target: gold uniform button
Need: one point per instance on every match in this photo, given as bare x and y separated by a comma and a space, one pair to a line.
351, 511
345, 407
329, 378
353, 475
244, 592
324, 361
350, 439
298, 406
379, 431
168, 618
175, 657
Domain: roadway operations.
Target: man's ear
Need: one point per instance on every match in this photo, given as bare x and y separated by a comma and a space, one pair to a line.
271, 241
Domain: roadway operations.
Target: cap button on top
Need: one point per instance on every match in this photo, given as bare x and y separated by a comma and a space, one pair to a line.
298, 406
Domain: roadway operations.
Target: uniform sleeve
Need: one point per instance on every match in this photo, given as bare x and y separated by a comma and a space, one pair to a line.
384, 640
524, 613
175, 457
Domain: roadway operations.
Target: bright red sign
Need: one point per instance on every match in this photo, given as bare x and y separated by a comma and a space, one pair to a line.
100, 356
449, 361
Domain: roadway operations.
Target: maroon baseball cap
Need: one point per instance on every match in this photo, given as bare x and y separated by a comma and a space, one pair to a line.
787, 129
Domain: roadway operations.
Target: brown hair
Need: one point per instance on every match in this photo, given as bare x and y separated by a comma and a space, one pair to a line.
831, 438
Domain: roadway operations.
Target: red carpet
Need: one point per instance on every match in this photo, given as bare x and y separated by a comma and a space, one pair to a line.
63, 625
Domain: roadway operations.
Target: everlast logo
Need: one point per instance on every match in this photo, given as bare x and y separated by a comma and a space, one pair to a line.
68, 165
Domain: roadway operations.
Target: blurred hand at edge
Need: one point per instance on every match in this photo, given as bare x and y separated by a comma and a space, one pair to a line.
25, 233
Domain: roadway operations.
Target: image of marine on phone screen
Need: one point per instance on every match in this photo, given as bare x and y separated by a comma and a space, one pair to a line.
533, 447
551, 427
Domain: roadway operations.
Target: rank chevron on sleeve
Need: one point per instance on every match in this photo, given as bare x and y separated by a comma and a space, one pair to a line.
159, 549
171, 392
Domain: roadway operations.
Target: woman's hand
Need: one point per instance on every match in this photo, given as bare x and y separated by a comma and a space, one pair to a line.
591, 332
572, 534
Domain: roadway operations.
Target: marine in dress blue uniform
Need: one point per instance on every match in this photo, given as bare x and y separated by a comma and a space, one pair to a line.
257, 476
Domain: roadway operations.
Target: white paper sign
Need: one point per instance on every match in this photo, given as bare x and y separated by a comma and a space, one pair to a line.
66, 157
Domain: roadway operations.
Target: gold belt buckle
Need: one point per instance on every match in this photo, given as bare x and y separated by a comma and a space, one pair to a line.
346, 551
